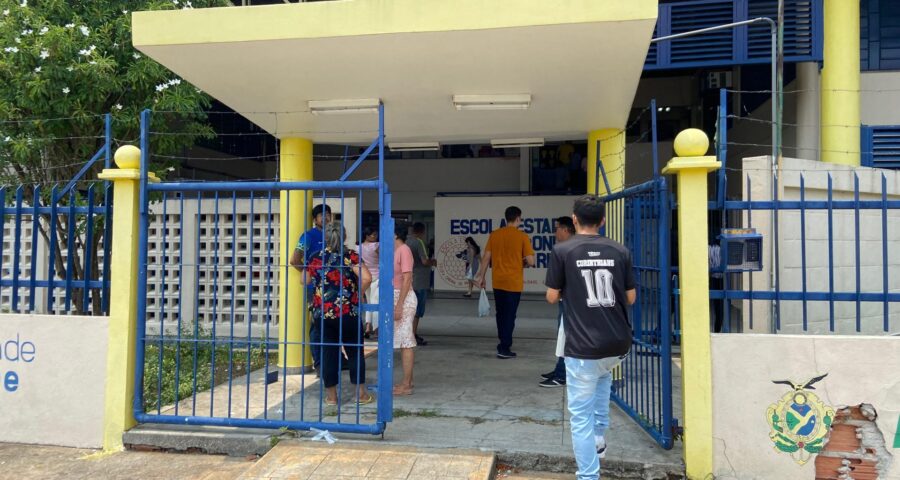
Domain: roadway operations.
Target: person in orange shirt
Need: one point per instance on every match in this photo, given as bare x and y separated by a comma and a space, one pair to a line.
508, 252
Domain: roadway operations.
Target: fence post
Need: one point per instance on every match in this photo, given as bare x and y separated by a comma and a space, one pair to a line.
121, 348
691, 166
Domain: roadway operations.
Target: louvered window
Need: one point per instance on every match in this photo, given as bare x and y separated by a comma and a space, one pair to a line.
881, 146
737, 46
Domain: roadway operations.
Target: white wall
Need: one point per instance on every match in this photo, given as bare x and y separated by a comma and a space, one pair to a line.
414, 182
879, 98
861, 370
60, 394
844, 241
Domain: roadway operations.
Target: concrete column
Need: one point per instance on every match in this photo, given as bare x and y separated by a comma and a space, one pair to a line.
691, 167
840, 83
296, 164
612, 155
190, 256
808, 110
525, 169
121, 350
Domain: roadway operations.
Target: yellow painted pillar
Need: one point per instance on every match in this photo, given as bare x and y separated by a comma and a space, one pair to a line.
691, 167
295, 210
612, 155
840, 83
120, 353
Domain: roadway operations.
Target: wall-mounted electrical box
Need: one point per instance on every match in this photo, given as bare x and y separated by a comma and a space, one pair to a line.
740, 250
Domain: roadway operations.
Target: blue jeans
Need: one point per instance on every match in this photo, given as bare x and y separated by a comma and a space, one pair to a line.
588, 385
422, 298
507, 304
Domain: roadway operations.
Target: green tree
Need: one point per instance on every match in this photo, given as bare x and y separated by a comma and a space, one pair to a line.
65, 63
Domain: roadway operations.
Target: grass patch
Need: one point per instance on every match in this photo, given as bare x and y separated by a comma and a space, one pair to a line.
426, 413
231, 360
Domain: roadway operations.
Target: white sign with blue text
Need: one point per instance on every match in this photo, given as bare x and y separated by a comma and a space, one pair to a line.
52, 379
457, 218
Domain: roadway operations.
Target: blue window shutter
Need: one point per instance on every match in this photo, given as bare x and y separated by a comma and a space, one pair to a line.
880, 146
889, 35
738, 46
879, 32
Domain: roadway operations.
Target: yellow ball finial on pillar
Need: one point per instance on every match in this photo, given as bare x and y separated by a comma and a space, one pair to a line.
691, 142
128, 157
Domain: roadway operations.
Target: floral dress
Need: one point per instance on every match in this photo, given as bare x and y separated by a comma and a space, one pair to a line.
336, 281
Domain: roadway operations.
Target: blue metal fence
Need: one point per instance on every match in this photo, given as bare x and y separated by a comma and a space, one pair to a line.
227, 376
54, 243
829, 249
640, 217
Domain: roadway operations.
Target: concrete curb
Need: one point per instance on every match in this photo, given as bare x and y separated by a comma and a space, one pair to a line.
236, 442
242, 442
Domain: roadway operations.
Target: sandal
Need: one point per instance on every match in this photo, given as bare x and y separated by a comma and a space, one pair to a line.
365, 401
330, 403
402, 391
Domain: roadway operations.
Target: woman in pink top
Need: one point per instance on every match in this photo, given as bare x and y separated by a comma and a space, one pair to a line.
404, 309
368, 253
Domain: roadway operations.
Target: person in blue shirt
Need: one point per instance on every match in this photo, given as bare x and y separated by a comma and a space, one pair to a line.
308, 246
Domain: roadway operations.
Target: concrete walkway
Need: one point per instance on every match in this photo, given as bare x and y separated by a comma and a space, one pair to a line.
309, 461
465, 398
37, 462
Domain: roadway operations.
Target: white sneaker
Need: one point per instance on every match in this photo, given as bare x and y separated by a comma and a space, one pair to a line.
601, 448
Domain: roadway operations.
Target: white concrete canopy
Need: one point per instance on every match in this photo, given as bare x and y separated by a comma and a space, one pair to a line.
580, 60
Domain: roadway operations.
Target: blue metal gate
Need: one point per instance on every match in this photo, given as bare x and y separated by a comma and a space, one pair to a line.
640, 217
207, 312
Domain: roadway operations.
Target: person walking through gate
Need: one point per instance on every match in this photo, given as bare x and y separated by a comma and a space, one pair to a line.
507, 252
565, 229
595, 278
422, 264
404, 309
308, 246
339, 280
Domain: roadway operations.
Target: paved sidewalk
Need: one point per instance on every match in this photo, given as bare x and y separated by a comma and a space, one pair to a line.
35, 462
308, 461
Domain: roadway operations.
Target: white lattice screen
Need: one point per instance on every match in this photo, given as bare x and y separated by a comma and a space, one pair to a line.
182, 254
41, 253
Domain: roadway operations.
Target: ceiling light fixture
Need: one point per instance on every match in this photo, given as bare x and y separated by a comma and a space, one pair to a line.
492, 102
344, 107
517, 142
414, 146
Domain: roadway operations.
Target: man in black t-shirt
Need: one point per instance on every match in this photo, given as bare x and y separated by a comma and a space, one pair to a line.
595, 278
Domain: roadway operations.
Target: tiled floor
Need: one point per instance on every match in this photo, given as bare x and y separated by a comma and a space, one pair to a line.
308, 461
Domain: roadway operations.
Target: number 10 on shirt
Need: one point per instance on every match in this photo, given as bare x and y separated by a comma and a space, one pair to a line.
599, 285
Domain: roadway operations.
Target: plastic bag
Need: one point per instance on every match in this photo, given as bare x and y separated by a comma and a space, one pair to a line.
484, 306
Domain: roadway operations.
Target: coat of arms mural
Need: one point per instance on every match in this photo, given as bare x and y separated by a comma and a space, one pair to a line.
800, 421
